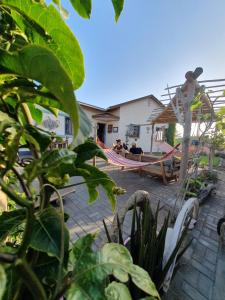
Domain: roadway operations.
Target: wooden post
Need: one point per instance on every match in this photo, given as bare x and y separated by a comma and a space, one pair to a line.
153, 125
96, 140
186, 95
187, 131
163, 173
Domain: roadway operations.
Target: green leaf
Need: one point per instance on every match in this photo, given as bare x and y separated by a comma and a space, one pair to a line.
31, 140
117, 291
118, 259
46, 234
2, 281
56, 157
83, 7
83, 244
195, 104
5, 119
12, 280
50, 164
55, 35
85, 126
47, 70
10, 133
88, 275
95, 179
42, 137
141, 279
9, 220
46, 269
91, 269
36, 113
118, 7
88, 150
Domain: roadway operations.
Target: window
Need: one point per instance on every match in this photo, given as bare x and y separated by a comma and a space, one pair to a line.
160, 134
133, 131
110, 128
68, 126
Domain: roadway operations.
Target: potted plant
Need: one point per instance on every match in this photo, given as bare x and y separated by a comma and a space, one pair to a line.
201, 186
148, 241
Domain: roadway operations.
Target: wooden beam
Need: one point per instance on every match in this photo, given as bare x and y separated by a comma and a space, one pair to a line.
202, 81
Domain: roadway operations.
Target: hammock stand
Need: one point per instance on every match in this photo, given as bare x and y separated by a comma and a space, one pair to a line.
125, 163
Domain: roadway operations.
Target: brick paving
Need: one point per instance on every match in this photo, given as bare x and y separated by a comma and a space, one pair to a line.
201, 275
86, 218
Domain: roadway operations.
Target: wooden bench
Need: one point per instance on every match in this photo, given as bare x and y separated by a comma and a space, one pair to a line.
167, 170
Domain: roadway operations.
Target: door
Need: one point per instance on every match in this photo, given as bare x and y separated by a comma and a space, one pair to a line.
101, 132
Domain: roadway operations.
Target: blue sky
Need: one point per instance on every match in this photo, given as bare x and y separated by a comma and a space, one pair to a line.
154, 43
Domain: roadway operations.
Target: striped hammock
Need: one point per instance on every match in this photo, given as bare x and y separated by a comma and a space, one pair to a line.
120, 161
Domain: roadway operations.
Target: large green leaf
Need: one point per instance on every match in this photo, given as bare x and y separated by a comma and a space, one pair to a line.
117, 260
85, 126
142, 280
90, 283
118, 7
83, 7
9, 220
36, 113
46, 234
12, 281
55, 157
2, 281
88, 150
42, 137
98, 178
91, 269
117, 291
41, 64
51, 163
10, 133
56, 35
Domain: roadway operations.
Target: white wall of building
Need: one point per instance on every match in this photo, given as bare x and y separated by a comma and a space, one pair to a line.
136, 112
55, 124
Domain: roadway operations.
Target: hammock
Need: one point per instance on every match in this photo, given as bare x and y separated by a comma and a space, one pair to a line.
120, 161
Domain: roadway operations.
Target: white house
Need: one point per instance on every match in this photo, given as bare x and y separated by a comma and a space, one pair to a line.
129, 121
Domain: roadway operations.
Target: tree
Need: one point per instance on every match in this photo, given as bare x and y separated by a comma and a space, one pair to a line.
215, 138
170, 134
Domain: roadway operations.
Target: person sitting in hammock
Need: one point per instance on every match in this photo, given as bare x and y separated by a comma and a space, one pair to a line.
118, 147
135, 150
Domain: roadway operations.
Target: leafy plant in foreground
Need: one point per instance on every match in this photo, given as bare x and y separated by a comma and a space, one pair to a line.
41, 64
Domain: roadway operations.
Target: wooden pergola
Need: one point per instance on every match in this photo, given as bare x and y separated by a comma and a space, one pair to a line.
213, 98
179, 107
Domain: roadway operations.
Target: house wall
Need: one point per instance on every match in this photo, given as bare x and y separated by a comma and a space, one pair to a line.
54, 124
137, 113
90, 112
110, 138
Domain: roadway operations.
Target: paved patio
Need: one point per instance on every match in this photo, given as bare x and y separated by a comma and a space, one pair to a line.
86, 218
201, 275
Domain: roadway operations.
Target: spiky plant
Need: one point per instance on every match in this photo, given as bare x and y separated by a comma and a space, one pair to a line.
147, 244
